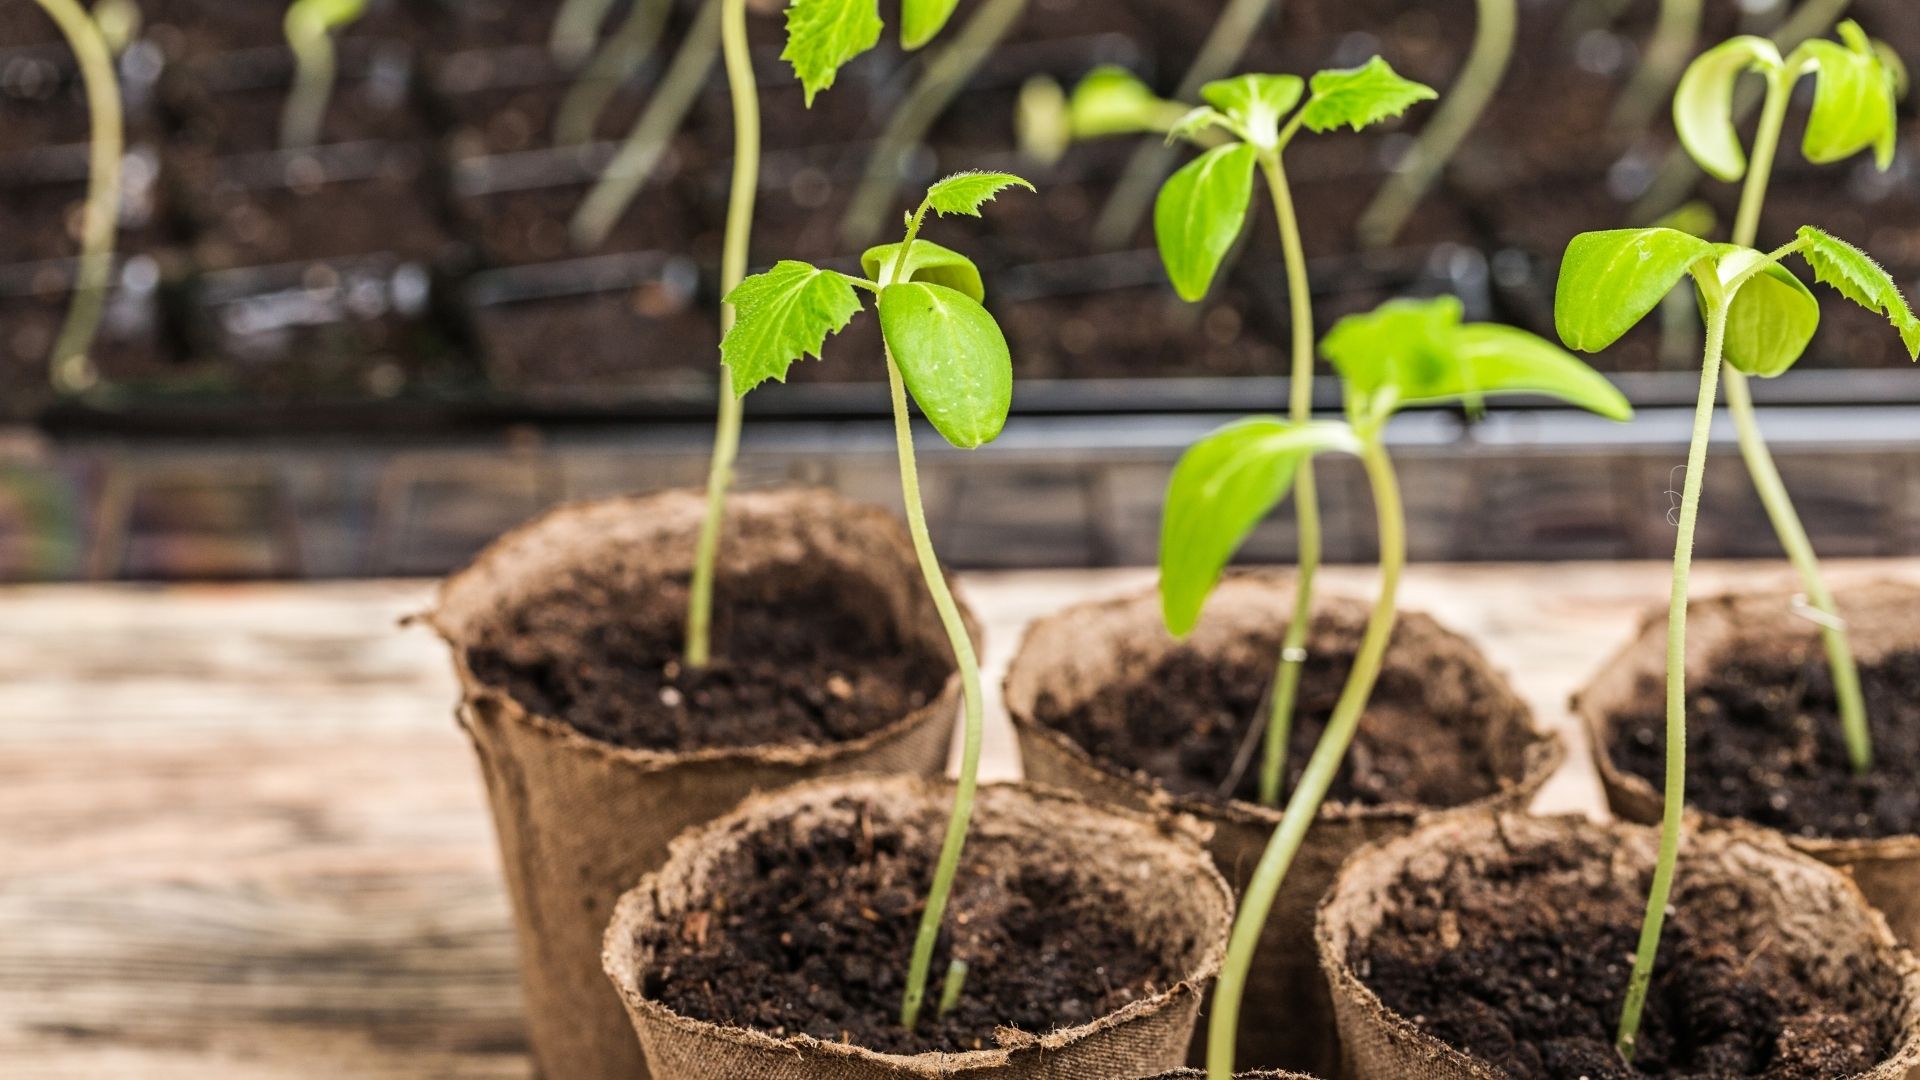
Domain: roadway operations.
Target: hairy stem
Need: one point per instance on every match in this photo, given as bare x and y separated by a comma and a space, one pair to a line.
733, 269
638, 156
1257, 903
1486, 67
618, 57
1673, 813
1667, 55
71, 369
575, 28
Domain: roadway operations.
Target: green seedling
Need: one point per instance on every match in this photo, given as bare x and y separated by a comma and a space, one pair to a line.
119, 22
616, 59
1406, 353
71, 369
310, 26
1759, 319
944, 349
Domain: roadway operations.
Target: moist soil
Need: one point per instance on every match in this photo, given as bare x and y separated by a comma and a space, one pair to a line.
811, 935
1764, 744
1523, 964
792, 666
1184, 720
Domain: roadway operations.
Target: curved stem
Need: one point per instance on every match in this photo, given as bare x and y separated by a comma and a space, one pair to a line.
733, 269
313, 75
618, 57
575, 27
630, 168
1133, 196
1486, 66
72, 371
1257, 902
1673, 812
1667, 55
946, 75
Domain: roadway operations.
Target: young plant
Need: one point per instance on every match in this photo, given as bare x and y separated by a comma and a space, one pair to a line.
942, 347
71, 369
1759, 320
310, 26
1853, 110
1406, 353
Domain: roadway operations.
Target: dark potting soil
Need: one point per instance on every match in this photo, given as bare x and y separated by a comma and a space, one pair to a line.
1523, 963
791, 666
1184, 720
1764, 744
681, 357
811, 935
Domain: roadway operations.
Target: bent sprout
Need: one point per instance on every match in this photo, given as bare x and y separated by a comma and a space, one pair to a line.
310, 26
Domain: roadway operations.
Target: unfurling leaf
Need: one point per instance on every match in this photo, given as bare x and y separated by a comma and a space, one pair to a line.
1853, 102
822, 35
783, 316
1362, 96
1256, 103
1771, 320
952, 357
1862, 280
1610, 280
1703, 104
1200, 213
927, 262
1221, 489
922, 20
966, 192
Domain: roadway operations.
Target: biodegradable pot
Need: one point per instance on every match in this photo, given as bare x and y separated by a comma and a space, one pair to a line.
1881, 621
1069, 657
1155, 870
579, 820
1760, 899
1196, 1074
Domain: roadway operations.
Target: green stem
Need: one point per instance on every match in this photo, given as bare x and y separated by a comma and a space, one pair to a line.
1673, 813
1257, 902
1667, 55
1133, 196
1486, 67
1293, 646
618, 57
313, 75
630, 168
953, 987
575, 28
946, 75
72, 371
737, 245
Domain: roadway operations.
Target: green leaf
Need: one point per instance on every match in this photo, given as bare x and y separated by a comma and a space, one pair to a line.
1221, 489
1609, 281
1771, 320
1362, 96
1256, 103
922, 20
927, 262
1397, 346
952, 357
1495, 359
1112, 101
966, 192
1200, 213
1853, 102
1196, 121
1703, 103
824, 34
1861, 280
783, 316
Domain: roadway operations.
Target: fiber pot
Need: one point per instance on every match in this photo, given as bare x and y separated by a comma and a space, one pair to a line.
1196, 1074
580, 819
1770, 960
1439, 704
1127, 892
1775, 653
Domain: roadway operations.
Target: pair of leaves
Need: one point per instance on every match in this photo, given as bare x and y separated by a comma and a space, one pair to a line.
825, 35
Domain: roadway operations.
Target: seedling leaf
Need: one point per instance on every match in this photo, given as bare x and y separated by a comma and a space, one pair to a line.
1771, 320
1610, 280
822, 35
928, 262
1362, 96
322, 16
1112, 101
783, 316
1199, 214
922, 20
1853, 103
952, 357
1196, 121
1703, 103
1861, 280
1256, 103
1221, 489
966, 192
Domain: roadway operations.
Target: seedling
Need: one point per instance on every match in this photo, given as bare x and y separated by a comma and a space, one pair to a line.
1406, 353
944, 348
310, 26
71, 369
617, 58
1759, 320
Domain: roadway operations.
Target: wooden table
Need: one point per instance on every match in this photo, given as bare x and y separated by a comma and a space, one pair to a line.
240, 835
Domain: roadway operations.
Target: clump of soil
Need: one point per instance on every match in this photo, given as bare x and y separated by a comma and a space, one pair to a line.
1524, 964
1764, 743
812, 934
793, 664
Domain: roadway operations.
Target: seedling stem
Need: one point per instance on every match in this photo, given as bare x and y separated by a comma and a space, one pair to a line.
575, 28
953, 987
310, 25
619, 56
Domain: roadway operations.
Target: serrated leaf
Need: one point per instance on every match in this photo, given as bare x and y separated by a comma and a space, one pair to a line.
1199, 214
952, 357
783, 316
1853, 105
922, 20
822, 35
1703, 103
1223, 487
1610, 280
927, 262
1862, 280
1256, 103
1771, 320
966, 192
1360, 97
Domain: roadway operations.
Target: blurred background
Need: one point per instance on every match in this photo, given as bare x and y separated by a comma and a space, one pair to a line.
370, 357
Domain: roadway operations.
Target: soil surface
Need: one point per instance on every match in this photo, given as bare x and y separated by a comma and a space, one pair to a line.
814, 934
792, 666
1524, 964
1764, 743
